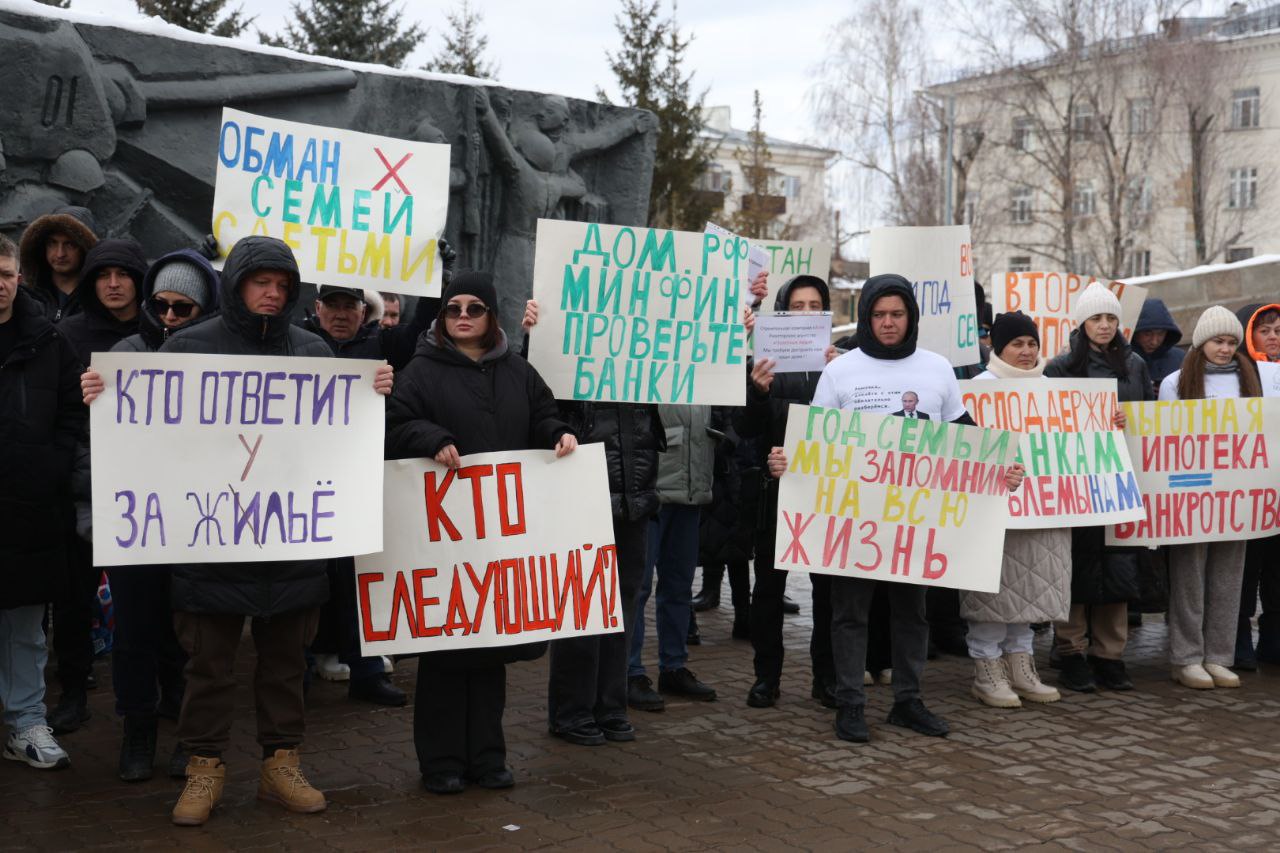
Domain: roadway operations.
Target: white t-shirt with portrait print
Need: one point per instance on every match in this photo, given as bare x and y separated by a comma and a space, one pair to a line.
857, 382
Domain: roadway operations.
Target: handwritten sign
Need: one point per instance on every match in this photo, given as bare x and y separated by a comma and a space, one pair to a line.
1078, 467
490, 555
938, 261
790, 258
757, 257
358, 210
1048, 298
796, 341
639, 315
1205, 468
223, 459
893, 499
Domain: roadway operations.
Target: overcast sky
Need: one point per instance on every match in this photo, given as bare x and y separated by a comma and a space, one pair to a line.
559, 46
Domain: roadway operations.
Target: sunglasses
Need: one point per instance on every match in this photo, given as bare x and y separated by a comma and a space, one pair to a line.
473, 310
181, 310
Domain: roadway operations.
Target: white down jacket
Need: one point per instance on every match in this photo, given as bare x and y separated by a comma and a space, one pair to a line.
1035, 575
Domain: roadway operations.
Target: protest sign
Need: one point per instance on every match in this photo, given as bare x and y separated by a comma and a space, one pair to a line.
796, 341
224, 459
510, 548
893, 499
1048, 298
757, 258
938, 261
1078, 467
790, 258
639, 315
358, 210
1205, 469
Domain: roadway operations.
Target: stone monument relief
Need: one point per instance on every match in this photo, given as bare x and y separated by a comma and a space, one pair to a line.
125, 122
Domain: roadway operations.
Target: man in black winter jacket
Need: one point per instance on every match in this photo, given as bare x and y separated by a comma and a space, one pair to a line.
107, 298
260, 286
769, 396
53, 251
41, 418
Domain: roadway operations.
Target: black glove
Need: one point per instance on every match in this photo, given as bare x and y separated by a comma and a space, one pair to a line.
208, 247
448, 256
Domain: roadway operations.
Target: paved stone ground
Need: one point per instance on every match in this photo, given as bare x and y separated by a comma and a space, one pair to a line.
1159, 767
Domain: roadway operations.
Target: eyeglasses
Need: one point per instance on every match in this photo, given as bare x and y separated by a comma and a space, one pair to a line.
473, 310
181, 310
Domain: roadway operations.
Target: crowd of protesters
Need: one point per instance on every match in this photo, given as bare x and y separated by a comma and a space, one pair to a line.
689, 486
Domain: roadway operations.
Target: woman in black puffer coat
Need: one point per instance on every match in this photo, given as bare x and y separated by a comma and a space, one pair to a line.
466, 392
1103, 579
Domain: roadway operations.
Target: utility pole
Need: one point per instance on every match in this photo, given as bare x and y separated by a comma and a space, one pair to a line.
947, 204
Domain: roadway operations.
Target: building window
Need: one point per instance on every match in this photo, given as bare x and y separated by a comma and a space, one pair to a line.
1239, 253
1138, 262
1024, 133
1084, 201
970, 210
1020, 263
1139, 194
790, 186
1081, 262
1245, 107
715, 179
1140, 115
1082, 121
1242, 188
1021, 212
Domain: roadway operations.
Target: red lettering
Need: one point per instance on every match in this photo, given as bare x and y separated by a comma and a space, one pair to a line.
364, 581
509, 527
436, 514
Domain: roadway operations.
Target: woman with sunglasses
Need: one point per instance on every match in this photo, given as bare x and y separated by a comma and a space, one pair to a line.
179, 290
465, 391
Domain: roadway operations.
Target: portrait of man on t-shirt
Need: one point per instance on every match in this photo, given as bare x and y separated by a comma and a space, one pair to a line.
910, 407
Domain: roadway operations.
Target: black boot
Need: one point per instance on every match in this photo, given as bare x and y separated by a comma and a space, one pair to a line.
742, 624
178, 761
1246, 658
1268, 650
138, 748
71, 712
708, 598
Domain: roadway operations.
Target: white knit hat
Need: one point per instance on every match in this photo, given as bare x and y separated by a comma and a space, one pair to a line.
1215, 321
1096, 299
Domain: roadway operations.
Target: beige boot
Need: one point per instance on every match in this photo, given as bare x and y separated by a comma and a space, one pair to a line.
1194, 676
205, 778
991, 687
1025, 681
1222, 677
283, 783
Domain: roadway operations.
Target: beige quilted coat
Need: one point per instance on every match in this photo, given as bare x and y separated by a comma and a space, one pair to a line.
1035, 576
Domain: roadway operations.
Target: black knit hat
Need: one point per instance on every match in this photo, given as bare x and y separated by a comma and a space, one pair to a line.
477, 284
1010, 326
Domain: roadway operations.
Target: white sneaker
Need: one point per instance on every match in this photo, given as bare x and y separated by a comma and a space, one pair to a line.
37, 747
330, 668
1194, 676
884, 677
388, 666
1222, 677
867, 680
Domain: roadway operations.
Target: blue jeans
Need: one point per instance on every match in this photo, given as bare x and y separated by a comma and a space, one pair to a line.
23, 655
673, 552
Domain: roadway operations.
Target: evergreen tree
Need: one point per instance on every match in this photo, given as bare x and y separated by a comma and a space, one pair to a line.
649, 69
464, 46
354, 30
201, 16
755, 218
